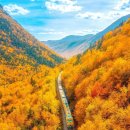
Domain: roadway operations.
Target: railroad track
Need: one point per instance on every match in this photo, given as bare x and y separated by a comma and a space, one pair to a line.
67, 119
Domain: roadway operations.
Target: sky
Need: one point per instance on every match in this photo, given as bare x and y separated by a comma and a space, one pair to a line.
55, 19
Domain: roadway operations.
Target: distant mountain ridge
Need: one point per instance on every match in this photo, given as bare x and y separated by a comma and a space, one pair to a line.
67, 43
18, 47
73, 45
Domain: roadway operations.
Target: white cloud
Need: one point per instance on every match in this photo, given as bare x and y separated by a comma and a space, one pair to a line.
63, 6
88, 31
50, 32
117, 14
90, 15
123, 5
122, 8
14, 9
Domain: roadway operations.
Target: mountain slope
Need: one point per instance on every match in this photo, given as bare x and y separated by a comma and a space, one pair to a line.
17, 46
113, 26
73, 45
98, 83
28, 98
67, 46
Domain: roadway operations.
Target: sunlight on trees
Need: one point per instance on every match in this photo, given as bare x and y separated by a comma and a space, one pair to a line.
100, 83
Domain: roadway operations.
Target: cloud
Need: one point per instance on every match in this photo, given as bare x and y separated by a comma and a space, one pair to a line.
14, 9
122, 8
88, 31
50, 32
63, 6
123, 5
90, 15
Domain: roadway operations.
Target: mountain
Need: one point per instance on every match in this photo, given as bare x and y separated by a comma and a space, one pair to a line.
18, 47
72, 45
113, 26
28, 97
66, 42
97, 83
69, 45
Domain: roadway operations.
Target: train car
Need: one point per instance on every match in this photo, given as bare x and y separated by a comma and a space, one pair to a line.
60, 87
69, 118
70, 122
59, 81
62, 94
67, 112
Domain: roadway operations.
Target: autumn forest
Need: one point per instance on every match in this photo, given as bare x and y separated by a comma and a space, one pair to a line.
96, 82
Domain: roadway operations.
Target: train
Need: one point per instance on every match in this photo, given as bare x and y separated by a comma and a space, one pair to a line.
67, 112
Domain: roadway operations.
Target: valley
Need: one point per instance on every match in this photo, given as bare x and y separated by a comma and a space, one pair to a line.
41, 90
73, 45
98, 83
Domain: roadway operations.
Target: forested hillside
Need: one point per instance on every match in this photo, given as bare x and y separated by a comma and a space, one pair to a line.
98, 83
19, 47
27, 87
28, 98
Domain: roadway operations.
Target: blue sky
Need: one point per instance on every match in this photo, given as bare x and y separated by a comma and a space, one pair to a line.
55, 19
